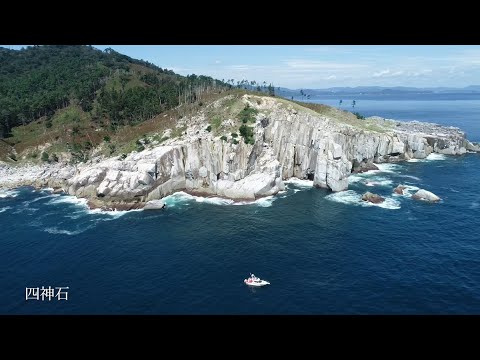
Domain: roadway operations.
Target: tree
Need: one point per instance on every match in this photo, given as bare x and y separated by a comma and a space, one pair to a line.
353, 103
340, 102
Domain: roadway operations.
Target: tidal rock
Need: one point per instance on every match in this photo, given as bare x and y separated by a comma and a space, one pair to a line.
363, 167
425, 196
154, 205
373, 198
399, 189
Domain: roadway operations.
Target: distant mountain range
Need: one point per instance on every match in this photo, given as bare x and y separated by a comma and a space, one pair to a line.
472, 89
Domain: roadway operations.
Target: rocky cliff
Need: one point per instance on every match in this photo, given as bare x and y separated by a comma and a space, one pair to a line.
290, 141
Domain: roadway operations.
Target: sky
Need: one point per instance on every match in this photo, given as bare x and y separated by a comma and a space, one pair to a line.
318, 66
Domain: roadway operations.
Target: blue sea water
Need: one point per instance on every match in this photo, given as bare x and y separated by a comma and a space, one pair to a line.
323, 252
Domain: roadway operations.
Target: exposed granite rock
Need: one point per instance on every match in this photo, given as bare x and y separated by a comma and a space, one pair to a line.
399, 189
373, 198
425, 196
290, 141
154, 205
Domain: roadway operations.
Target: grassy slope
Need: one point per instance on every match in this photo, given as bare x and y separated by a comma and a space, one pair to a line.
72, 125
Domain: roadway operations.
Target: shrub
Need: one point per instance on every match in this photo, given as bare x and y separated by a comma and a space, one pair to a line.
247, 114
359, 116
209, 128
247, 133
106, 138
235, 141
234, 135
224, 138
54, 157
44, 156
112, 148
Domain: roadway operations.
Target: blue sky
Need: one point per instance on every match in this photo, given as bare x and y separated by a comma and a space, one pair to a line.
318, 66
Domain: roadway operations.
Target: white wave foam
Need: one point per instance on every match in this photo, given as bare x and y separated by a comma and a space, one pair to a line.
414, 160
387, 168
183, 197
68, 199
299, 182
115, 214
48, 189
42, 197
370, 179
411, 177
8, 193
408, 191
351, 197
263, 202
4, 209
55, 230
435, 156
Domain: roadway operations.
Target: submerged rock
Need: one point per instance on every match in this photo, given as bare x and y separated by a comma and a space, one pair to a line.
154, 205
373, 198
425, 196
399, 189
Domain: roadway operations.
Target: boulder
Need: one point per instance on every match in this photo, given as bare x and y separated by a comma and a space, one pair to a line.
373, 198
425, 196
363, 167
399, 189
154, 205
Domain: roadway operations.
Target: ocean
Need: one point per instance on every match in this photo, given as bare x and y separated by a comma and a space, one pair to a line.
322, 252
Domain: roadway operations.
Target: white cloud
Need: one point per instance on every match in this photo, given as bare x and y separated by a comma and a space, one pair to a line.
217, 61
314, 65
381, 73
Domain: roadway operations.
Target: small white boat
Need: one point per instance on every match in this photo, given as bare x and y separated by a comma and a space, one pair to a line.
255, 281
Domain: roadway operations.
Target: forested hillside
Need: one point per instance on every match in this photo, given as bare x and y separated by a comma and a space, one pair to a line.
111, 88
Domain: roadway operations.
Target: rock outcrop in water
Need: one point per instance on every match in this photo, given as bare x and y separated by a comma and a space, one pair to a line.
399, 189
425, 195
373, 198
290, 141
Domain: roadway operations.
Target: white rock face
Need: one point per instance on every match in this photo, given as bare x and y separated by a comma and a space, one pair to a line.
289, 142
426, 196
154, 205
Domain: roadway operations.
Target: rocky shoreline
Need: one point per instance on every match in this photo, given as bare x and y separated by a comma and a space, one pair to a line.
290, 141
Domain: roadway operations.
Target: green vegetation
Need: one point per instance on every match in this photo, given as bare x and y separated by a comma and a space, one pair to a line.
209, 128
216, 122
234, 135
247, 114
247, 133
44, 156
359, 116
224, 138
235, 141
37, 81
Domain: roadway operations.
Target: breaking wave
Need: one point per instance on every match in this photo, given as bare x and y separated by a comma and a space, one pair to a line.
351, 197
299, 182
182, 197
8, 193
